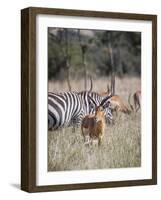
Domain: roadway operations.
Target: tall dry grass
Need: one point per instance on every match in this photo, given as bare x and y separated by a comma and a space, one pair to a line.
124, 86
121, 145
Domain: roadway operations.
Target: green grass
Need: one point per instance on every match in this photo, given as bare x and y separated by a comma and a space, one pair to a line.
121, 147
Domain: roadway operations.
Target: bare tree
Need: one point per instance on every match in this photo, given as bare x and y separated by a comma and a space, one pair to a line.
83, 50
111, 54
67, 57
112, 70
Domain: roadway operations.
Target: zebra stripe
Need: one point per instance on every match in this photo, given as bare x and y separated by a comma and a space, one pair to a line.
63, 109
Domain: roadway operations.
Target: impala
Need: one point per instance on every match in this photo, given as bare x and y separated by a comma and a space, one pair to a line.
136, 99
93, 126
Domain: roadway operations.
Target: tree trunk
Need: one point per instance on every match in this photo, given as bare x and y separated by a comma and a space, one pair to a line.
112, 69
83, 50
68, 77
85, 70
67, 60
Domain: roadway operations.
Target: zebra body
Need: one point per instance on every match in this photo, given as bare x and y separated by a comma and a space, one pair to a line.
63, 109
69, 108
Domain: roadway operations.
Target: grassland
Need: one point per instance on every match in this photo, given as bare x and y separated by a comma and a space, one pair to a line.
121, 146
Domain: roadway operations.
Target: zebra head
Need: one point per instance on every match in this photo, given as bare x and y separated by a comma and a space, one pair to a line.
89, 108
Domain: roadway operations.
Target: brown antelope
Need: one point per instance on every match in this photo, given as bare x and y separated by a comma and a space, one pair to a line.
116, 102
118, 105
93, 126
137, 101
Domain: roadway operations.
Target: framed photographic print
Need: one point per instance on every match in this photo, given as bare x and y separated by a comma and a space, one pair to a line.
88, 99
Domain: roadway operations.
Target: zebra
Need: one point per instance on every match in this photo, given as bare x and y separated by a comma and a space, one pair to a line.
89, 109
69, 108
63, 109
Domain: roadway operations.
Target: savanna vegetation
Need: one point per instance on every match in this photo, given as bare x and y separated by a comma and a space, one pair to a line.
76, 53
121, 146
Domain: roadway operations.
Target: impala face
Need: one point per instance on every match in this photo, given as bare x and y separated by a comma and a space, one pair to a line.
100, 114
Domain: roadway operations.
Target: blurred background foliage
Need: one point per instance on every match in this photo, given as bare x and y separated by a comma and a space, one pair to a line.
75, 53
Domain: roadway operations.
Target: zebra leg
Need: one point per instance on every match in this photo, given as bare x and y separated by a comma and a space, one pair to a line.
73, 129
73, 125
76, 123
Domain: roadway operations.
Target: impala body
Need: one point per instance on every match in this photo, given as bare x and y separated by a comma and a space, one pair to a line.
137, 101
117, 103
93, 126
